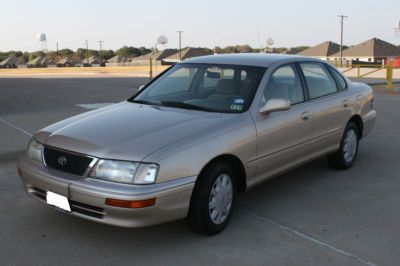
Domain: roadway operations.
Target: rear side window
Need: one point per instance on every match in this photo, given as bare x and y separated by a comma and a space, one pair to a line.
341, 81
319, 80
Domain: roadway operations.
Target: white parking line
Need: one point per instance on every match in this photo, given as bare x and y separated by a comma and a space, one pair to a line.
307, 237
15, 127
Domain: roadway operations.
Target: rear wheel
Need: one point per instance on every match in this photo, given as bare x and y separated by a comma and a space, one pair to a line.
213, 199
346, 155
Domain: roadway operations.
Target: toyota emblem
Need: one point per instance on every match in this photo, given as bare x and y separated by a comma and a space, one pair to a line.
62, 160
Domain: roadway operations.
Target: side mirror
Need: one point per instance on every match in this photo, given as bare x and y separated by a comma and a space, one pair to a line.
274, 105
140, 88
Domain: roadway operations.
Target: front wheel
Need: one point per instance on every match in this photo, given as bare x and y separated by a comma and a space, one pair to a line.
213, 199
346, 155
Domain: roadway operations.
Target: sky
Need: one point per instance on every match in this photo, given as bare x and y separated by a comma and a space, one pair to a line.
206, 23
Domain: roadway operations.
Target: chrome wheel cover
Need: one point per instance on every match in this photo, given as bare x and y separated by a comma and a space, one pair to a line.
350, 145
220, 201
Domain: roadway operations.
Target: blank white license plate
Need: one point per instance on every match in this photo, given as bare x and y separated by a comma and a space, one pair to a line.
58, 201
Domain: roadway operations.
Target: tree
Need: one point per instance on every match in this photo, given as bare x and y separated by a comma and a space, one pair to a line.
128, 51
106, 54
144, 50
65, 52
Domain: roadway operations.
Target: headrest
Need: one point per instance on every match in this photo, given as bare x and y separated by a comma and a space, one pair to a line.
226, 86
277, 90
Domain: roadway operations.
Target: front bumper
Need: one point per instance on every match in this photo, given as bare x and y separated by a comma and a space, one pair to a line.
87, 196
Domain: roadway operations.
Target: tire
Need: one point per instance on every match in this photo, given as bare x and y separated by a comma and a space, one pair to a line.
210, 220
345, 157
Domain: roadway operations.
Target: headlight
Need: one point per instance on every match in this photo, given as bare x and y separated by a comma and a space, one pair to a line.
125, 172
34, 150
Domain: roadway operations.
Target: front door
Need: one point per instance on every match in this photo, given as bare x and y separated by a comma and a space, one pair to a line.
283, 137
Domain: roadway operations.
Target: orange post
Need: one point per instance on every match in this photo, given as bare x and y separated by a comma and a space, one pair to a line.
389, 75
151, 68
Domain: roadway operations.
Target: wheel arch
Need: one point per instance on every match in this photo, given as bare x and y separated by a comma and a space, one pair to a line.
237, 166
357, 120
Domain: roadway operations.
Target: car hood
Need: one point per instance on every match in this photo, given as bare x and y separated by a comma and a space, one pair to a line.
127, 131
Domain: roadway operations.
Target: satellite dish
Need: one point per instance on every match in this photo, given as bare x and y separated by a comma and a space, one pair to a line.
41, 37
162, 40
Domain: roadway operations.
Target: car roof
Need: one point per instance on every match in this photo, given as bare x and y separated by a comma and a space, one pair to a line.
248, 59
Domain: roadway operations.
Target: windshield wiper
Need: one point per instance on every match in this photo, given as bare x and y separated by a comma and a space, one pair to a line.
185, 106
145, 102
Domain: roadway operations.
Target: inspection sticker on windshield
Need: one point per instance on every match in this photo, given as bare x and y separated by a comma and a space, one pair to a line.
238, 101
236, 107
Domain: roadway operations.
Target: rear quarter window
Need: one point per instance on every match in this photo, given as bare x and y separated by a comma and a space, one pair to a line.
339, 77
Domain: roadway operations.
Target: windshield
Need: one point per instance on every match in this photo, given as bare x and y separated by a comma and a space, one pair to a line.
214, 88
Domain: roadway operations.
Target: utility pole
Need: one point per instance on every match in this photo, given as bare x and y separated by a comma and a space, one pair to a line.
87, 52
57, 52
342, 17
258, 36
101, 44
180, 44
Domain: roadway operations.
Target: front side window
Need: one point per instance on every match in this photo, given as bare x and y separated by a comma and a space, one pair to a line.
215, 88
318, 79
284, 84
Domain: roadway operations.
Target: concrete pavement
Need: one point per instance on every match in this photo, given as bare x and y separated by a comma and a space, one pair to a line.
310, 216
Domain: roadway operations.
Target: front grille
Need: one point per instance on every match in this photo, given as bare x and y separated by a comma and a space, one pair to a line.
65, 161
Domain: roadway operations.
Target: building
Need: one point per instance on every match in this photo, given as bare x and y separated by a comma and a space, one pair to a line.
51, 63
21, 63
93, 61
159, 56
9, 62
372, 51
118, 60
40, 61
67, 61
186, 53
322, 51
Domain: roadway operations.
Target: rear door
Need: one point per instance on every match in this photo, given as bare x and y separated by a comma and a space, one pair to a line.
330, 107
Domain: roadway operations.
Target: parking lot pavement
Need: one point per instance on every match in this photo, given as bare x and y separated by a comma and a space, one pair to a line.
310, 216
33, 103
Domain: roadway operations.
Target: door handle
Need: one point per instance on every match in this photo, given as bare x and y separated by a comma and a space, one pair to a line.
305, 116
346, 103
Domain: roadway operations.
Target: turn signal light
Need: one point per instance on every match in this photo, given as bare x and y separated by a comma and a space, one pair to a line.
133, 204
